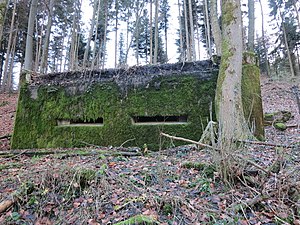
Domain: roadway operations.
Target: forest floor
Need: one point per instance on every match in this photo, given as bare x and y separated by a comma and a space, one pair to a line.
175, 186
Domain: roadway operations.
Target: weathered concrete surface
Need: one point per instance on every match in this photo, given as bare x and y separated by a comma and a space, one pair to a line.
115, 97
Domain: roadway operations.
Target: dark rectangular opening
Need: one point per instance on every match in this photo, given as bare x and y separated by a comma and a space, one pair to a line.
79, 122
156, 120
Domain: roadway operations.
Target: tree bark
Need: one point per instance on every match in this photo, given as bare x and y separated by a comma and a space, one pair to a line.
29, 39
151, 32
182, 58
215, 27
116, 32
207, 29
264, 39
251, 23
5, 80
44, 63
229, 110
287, 46
87, 49
192, 42
187, 41
156, 32
3, 9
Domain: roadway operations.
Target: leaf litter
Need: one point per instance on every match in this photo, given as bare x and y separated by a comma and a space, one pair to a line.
178, 185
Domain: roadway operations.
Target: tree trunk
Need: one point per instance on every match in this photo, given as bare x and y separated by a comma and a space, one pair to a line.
29, 39
297, 13
134, 32
192, 42
12, 63
95, 55
264, 39
229, 110
151, 32
87, 49
8, 59
3, 10
44, 63
156, 32
116, 32
251, 23
208, 29
182, 58
215, 27
105, 36
187, 41
287, 46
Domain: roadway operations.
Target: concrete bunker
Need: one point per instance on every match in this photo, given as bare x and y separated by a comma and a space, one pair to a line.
112, 106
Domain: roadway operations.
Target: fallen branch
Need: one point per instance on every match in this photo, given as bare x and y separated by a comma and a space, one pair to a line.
254, 164
7, 136
249, 203
188, 140
6, 204
264, 143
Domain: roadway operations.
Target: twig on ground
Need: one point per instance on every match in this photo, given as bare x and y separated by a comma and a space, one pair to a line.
7, 136
188, 140
264, 143
6, 204
132, 139
254, 164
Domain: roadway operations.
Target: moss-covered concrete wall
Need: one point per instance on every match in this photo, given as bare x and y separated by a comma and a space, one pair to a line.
116, 96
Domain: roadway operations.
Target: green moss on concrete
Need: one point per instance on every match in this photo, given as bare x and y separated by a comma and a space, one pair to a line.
36, 120
251, 97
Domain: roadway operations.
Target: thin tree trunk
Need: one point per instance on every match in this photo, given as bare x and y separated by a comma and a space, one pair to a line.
215, 27
251, 23
287, 46
105, 37
182, 58
192, 42
134, 31
297, 12
116, 32
29, 39
264, 40
87, 49
39, 43
44, 63
187, 41
127, 36
207, 29
151, 32
156, 32
74, 42
3, 13
95, 61
8, 50
11, 66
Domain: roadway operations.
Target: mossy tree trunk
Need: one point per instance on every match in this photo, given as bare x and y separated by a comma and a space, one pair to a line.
229, 109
